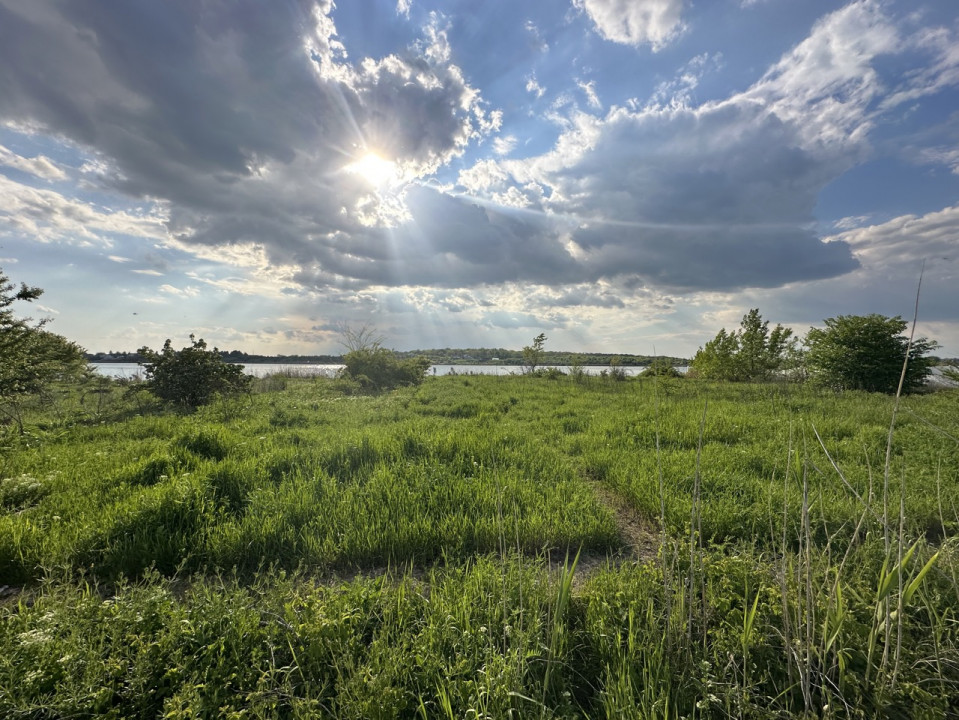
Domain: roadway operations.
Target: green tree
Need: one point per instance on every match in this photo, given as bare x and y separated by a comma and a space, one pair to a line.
32, 359
753, 353
716, 360
533, 354
192, 376
866, 352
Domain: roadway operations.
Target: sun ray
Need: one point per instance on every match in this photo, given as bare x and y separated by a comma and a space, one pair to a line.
377, 171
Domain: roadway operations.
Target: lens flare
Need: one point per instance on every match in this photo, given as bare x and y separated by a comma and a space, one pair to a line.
375, 170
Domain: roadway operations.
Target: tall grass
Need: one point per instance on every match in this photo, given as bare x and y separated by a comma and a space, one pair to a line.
187, 565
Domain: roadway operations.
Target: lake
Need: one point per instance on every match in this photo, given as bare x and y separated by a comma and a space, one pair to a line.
130, 370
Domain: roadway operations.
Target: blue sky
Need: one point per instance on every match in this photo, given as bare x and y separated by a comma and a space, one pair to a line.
623, 175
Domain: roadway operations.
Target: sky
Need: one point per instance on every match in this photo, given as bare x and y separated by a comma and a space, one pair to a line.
621, 175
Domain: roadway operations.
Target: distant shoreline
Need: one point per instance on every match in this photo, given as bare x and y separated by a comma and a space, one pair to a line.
485, 357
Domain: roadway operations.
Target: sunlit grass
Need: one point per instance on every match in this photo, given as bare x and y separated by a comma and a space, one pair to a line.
182, 562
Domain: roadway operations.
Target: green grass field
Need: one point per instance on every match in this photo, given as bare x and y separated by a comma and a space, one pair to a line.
483, 547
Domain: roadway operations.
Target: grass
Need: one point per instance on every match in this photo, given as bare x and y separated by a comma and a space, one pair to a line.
298, 553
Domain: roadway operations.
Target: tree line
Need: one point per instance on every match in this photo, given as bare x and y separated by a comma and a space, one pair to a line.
852, 352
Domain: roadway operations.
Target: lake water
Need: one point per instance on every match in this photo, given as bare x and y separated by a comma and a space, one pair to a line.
130, 370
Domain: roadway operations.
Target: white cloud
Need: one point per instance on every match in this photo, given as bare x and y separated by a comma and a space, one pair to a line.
535, 38
891, 256
851, 221
190, 291
907, 240
942, 72
48, 216
403, 7
678, 92
636, 22
826, 83
533, 86
40, 166
671, 191
504, 145
948, 156
589, 90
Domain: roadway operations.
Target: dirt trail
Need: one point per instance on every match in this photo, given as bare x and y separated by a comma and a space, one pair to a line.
641, 538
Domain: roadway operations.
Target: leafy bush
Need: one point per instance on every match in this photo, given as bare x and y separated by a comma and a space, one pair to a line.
866, 352
661, 367
376, 369
369, 367
192, 376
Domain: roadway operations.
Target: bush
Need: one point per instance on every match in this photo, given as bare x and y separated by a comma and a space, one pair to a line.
376, 369
866, 352
192, 376
661, 367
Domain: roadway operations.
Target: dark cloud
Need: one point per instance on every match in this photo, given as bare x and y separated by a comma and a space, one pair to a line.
242, 118
714, 198
241, 115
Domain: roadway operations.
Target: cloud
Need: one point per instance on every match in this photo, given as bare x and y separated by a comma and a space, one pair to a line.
533, 86
504, 145
948, 156
908, 240
48, 216
238, 117
851, 221
826, 84
636, 22
535, 38
719, 196
589, 90
678, 92
237, 123
40, 166
403, 8
190, 291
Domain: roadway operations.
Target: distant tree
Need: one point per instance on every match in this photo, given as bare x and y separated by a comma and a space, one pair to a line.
533, 354
192, 376
373, 367
866, 352
32, 359
661, 367
752, 353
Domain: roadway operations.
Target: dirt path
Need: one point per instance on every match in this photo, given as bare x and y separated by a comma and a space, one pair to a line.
640, 537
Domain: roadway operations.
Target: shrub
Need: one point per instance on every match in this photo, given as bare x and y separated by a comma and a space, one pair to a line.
376, 369
192, 376
661, 367
866, 352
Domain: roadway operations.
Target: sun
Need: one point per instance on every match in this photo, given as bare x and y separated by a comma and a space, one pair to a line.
375, 170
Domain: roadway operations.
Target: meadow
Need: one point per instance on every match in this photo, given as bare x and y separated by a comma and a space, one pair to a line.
483, 547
